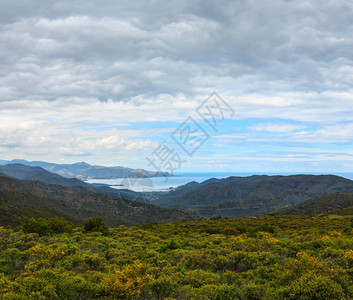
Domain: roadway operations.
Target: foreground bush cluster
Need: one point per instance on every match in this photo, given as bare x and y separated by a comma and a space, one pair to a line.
251, 258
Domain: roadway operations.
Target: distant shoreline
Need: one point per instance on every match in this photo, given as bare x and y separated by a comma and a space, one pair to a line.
164, 184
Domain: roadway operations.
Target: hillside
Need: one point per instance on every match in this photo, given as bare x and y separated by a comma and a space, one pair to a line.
19, 200
319, 204
343, 212
12, 214
253, 195
23, 172
85, 171
39, 199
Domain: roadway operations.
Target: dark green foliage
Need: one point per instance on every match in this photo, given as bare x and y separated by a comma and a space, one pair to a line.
171, 245
95, 224
164, 287
46, 226
147, 225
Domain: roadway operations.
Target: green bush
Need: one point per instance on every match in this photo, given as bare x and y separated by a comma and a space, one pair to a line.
311, 287
95, 224
193, 260
164, 287
46, 226
171, 245
225, 292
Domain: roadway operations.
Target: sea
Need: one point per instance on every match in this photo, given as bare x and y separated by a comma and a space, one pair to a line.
168, 183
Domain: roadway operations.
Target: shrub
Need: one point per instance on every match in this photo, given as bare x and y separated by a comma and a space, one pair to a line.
6, 285
349, 258
253, 291
95, 224
164, 287
195, 260
198, 278
128, 282
34, 286
315, 287
171, 245
225, 292
303, 264
227, 230
46, 226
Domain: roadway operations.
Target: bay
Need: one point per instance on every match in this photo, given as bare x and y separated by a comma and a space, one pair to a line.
166, 183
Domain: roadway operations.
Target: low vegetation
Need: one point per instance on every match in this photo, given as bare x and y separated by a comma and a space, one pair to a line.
271, 257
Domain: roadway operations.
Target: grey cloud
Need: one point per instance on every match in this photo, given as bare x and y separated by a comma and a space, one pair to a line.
75, 53
121, 49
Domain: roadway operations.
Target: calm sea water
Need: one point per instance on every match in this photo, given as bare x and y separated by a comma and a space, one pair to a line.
165, 183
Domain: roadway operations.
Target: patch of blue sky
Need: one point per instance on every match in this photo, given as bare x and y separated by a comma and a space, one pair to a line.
154, 125
98, 126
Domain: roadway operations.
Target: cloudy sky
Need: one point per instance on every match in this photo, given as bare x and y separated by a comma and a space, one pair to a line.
107, 81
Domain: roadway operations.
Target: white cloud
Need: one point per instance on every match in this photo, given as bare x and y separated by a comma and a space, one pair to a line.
110, 143
141, 145
273, 127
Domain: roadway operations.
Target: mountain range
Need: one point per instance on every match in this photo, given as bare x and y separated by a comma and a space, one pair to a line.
86, 171
35, 192
250, 196
23, 172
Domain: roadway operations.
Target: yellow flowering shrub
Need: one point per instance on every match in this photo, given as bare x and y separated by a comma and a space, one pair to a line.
267, 237
302, 264
128, 282
238, 240
306, 263
335, 234
349, 258
326, 238
48, 252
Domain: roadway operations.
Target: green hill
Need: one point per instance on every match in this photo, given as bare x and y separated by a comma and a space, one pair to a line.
39, 199
13, 215
251, 196
320, 204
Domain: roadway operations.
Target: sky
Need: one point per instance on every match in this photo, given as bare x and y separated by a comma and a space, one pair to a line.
114, 82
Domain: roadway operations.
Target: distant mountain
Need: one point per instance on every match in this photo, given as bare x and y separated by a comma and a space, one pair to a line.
86, 171
250, 196
319, 204
19, 198
22, 172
